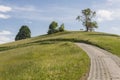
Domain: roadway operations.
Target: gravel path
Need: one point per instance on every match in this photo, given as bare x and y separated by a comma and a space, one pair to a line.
104, 65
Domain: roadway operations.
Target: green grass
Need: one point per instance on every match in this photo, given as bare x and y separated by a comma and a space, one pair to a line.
45, 61
52, 57
109, 42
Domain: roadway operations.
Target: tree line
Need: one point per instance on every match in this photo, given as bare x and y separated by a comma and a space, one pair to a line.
87, 18
24, 31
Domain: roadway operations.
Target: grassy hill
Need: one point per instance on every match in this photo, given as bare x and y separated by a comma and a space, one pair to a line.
52, 57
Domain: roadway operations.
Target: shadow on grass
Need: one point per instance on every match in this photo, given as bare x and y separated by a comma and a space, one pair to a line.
13, 47
46, 42
53, 41
26, 44
113, 35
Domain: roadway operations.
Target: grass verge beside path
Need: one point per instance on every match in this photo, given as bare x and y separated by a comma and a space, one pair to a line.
49, 61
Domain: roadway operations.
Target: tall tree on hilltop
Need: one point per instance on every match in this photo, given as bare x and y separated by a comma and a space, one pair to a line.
86, 19
24, 32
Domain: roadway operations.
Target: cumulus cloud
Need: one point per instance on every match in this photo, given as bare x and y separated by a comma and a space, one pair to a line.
4, 32
25, 8
5, 8
4, 39
115, 29
3, 16
113, 1
5, 36
108, 15
103, 15
116, 14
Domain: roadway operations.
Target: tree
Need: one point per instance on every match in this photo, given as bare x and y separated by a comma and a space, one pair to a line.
61, 28
24, 32
53, 27
86, 19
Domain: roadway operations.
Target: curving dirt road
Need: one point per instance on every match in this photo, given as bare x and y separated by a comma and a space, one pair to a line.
104, 65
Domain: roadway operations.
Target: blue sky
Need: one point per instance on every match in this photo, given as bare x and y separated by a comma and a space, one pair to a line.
38, 14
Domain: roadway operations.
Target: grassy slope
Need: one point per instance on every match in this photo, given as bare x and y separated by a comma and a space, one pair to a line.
44, 61
108, 42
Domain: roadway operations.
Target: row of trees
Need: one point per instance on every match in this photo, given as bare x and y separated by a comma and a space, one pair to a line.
87, 19
24, 31
53, 28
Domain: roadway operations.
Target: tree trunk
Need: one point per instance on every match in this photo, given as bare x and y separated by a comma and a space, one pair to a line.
87, 29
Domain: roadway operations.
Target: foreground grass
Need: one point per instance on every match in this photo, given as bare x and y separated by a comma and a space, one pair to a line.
45, 61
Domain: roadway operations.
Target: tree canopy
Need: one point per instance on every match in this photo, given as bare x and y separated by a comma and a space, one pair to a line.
53, 25
53, 28
24, 32
61, 28
87, 19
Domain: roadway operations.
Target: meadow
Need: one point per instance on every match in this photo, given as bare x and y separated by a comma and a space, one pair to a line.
109, 42
52, 57
44, 61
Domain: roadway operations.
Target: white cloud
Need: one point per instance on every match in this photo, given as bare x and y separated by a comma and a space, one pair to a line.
4, 32
103, 15
25, 8
108, 15
116, 14
113, 1
5, 36
5, 8
3, 16
115, 28
4, 39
